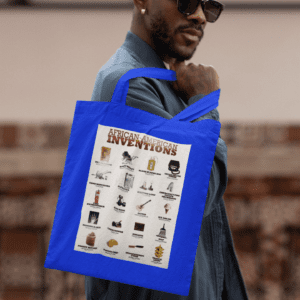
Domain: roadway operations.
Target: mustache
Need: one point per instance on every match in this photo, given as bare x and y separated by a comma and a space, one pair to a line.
198, 28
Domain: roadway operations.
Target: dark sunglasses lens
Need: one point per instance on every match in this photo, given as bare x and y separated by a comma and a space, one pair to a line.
187, 7
212, 11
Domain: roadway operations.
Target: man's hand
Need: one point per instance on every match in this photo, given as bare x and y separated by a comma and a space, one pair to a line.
193, 80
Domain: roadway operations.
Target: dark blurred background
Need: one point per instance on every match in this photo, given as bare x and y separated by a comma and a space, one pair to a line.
50, 57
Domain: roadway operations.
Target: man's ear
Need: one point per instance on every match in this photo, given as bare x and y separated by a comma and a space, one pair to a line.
140, 4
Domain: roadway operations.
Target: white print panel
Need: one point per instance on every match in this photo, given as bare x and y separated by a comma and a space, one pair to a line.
132, 197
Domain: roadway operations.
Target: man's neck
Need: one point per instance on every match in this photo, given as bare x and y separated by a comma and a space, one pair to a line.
165, 58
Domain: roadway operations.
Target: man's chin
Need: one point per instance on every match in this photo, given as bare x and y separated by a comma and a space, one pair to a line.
180, 58
179, 53
184, 53
184, 57
169, 59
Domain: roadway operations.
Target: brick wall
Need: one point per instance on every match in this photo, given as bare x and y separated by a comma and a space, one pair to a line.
262, 202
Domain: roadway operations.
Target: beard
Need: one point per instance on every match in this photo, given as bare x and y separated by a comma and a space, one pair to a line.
164, 40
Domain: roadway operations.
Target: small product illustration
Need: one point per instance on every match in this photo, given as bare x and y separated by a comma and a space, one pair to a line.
162, 233
170, 186
97, 195
120, 201
139, 226
174, 166
105, 154
112, 243
127, 158
137, 246
100, 174
151, 164
118, 225
128, 181
90, 239
144, 186
150, 187
93, 217
140, 207
159, 251
167, 207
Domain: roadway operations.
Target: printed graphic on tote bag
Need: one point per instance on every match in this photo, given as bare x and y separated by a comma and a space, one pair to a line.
132, 197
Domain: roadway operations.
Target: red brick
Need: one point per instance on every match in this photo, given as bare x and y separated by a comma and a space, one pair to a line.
294, 134
23, 186
294, 243
246, 239
19, 241
271, 267
235, 186
282, 185
17, 294
256, 186
9, 136
57, 136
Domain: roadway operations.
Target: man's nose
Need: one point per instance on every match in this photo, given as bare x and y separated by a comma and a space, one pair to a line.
198, 15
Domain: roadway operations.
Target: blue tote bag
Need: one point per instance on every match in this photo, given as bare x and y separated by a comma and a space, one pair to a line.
133, 191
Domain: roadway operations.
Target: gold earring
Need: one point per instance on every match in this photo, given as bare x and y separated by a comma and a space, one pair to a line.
143, 11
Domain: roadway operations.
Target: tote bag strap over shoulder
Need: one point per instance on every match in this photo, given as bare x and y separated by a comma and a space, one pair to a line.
199, 108
194, 111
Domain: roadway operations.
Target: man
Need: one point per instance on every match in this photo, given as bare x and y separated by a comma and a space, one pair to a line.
163, 34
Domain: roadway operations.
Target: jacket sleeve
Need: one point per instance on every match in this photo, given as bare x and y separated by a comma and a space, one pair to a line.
141, 93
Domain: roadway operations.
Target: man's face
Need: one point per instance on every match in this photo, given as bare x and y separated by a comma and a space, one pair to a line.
164, 28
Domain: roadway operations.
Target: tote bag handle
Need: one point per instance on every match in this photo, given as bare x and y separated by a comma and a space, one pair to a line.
194, 111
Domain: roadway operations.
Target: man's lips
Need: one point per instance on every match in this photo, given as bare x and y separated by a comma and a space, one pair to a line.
193, 32
192, 35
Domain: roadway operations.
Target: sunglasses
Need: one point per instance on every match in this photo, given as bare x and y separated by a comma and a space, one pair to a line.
212, 9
